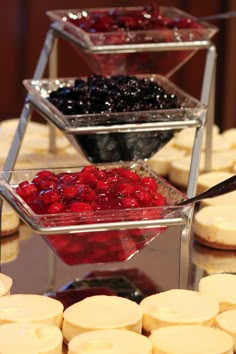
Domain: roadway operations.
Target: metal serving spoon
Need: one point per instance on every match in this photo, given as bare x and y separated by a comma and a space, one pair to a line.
221, 16
228, 185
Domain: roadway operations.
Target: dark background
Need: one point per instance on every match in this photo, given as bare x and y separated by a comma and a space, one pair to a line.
24, 26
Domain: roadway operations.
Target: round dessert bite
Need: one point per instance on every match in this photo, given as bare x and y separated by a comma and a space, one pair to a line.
178, 307
214, 260
226, 321
10, 248
110, 341
10, 220
161, 161
191, 339
209, 179
101, 312
230, 135
179, 171
185, 142
220, 287
30, 308
215, 226
35, 338
5, 284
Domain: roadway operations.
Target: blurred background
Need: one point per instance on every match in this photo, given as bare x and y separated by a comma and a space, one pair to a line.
24, 26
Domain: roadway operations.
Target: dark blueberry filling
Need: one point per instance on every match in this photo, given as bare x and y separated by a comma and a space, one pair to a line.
116, 94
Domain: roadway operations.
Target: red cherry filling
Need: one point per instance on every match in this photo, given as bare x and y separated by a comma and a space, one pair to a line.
85, 192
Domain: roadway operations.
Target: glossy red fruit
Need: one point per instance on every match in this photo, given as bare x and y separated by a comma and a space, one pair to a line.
56, 208
27, 190
80, 207
150, 183
50, 196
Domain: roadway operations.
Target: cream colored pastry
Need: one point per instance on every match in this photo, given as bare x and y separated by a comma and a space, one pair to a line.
222, 288
209, 179
30, 308
219, 143
215, 225
234, 168
178, 306
191, 340
230, 135
10, 220
5, 284
101, 312
30, 338
226, 321
10, 248
213, 260
161, 161
179, 170
110, 341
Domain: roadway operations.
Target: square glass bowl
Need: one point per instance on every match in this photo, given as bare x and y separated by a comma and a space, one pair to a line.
110, 137
137, 51
98, 236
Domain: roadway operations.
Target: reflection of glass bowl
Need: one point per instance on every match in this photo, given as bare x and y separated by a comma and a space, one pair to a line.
162, 62
116, 145
102, 235
213, 260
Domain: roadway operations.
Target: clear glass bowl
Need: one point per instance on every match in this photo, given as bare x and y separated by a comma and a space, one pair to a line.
98, 236
163, 62
154, 128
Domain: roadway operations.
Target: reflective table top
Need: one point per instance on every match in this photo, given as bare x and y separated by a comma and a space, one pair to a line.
35, 269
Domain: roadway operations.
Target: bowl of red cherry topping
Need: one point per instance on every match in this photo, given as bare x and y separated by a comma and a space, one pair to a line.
96, 213
107, 28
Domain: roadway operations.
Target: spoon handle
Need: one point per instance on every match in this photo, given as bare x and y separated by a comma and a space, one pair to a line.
221, 16
228, 185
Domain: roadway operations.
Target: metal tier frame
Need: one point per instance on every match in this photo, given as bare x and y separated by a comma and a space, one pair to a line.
49, 55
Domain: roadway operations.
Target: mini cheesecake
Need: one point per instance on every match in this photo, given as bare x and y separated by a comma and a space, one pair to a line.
30, 308
178, 307
215, 226
110, 341
222, 288
179, 171
101, 312
209, 179
226, 321
191, 339
230, 135
161, 161
10, 220
5, 284
30, 338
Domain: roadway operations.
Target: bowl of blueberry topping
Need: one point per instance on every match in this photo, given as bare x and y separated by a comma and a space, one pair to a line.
97, 29
111, 102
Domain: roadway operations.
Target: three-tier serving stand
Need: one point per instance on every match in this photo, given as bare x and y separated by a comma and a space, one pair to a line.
49, 55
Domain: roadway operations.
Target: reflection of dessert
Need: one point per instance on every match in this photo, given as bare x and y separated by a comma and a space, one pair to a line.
215, 226
101, 312
221, 287
30, 308
110, 341
178, 307
214, 260
191, 339
10, 220
226, 321
34, 338
5, 284
9, 248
